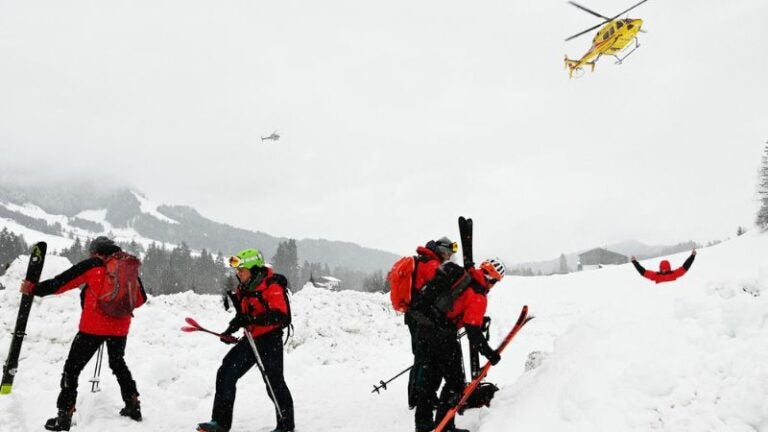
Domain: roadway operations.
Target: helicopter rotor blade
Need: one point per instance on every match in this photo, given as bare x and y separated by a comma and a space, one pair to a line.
607, 20
585, 31
622, 13
588, 10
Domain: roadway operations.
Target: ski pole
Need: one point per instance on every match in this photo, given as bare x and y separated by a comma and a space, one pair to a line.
263, 372
383, 384
194, 326
97, 370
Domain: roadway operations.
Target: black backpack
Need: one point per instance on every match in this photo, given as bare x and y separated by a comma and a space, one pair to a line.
438, 296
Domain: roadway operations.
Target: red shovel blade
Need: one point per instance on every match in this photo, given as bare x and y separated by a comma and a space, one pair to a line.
192, 322
189, 329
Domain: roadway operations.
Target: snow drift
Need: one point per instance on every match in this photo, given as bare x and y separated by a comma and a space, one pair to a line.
616, 352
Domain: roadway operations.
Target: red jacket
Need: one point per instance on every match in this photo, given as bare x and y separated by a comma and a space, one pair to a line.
89, 274
469, 308
665, 273
427, 263
272, 294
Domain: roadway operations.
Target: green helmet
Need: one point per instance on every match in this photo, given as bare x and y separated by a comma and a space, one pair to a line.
247, 258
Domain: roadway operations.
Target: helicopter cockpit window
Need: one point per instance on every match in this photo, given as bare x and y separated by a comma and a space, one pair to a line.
605, 36
630, 26
619, 25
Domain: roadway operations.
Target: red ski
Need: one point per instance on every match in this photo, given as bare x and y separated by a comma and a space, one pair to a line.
521, 321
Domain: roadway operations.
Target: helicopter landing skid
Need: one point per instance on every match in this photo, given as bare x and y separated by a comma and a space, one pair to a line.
620, 60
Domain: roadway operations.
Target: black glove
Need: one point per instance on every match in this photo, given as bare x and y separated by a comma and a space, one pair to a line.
228, 338
493, 356
239, 321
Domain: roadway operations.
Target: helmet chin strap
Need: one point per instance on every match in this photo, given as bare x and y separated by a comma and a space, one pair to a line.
256, 277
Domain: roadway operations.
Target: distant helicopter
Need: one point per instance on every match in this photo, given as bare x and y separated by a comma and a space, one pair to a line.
273, 137
613, 37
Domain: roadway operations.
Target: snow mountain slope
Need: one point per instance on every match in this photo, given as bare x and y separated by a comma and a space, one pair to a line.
616, 353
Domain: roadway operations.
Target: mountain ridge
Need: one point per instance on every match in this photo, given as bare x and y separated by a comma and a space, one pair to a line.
62, 207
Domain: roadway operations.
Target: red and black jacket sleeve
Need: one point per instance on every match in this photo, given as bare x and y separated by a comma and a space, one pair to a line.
640, 269
688, 262
69, 279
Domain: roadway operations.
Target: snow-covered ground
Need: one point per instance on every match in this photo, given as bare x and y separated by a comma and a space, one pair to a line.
620, 354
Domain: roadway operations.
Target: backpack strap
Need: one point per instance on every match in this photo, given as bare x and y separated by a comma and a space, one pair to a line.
445, 302
282, 281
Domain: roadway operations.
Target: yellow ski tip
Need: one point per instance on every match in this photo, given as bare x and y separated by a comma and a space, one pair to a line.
5, 389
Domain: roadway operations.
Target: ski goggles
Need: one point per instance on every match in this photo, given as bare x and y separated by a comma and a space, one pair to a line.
236, 262
453, 247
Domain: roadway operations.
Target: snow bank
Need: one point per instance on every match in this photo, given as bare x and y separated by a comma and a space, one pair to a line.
618, 353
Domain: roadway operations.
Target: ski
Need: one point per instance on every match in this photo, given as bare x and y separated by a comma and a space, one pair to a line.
521, 321
34, 269
465, 231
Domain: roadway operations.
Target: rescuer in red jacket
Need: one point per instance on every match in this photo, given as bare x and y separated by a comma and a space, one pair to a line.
455, 298
96, 327
665, 273
428, 259
263, 311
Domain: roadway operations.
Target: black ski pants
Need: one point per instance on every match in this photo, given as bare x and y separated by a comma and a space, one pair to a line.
84, 346
415, 394
239, 360
438, 358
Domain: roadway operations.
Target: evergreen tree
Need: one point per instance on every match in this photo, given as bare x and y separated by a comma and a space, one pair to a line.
11, 246
179, 274
153, 266
286, 262
77, 252
762, 190
374, 282
562, 267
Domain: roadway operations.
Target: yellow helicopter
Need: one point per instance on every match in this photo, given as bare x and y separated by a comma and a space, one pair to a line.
612, 38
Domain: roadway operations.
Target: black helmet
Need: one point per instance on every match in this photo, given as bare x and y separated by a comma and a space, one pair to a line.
103, 245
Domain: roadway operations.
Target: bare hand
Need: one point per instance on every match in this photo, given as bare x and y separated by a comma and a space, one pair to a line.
632, 258
693, 252
27, 287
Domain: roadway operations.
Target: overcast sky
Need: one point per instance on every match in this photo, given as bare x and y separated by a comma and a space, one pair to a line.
398, 116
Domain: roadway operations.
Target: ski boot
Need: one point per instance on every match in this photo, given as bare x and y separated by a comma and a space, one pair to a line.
132, 408
211, 426
61, 422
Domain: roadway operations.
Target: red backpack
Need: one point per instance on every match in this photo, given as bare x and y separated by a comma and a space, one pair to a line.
121, 289
401, 278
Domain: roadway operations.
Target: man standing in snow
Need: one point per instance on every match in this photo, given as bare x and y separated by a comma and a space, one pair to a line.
665, 273
454, 298
428, 259
96, 327
263, 311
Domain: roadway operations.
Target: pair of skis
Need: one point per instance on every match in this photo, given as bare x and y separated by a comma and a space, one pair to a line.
465, 231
